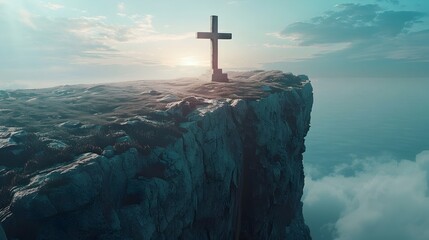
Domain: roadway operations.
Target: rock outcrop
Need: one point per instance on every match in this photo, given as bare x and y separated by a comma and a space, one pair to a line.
232, 170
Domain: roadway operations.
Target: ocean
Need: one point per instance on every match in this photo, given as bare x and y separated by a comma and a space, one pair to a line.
361, 130
366, 117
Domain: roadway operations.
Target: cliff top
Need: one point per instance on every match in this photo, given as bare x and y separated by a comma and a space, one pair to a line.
43, 128
84, 105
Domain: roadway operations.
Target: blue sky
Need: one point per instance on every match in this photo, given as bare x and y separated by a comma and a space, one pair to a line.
45, 43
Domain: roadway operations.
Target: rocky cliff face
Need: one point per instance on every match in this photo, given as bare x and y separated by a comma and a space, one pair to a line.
232, 170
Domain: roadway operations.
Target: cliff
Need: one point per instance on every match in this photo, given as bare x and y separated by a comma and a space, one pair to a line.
176, 159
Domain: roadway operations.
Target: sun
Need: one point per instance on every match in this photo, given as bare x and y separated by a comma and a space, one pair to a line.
189, 61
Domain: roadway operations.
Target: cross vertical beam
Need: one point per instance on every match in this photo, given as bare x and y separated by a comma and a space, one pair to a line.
214, 40
214, 36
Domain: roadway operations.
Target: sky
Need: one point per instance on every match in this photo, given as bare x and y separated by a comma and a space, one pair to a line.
46, 43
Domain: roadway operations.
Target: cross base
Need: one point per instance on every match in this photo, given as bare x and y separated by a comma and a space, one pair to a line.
218, 76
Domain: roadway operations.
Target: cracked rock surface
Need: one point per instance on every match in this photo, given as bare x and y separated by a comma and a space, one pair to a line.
172, 160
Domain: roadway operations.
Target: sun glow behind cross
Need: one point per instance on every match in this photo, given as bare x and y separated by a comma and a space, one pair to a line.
190, 61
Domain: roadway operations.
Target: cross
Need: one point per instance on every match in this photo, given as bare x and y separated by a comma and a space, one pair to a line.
214, 36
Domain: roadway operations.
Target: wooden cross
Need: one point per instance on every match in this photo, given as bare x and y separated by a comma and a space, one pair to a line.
214, 36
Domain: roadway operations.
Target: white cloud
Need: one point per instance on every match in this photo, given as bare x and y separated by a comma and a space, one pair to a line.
121, 7
371, 32
92, 40
53, 6
389, 1
373, 198
121, 10
84, 46
270, 45
141, 31
320, 48
26, 18
289, 51
290, 37
353, 23
385, 42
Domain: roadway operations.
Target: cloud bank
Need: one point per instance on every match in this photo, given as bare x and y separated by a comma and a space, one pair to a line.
378, 42
373, 198
78, 47
90, 39
352, 23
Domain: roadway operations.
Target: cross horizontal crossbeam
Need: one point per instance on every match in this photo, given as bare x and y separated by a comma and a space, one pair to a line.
210, 35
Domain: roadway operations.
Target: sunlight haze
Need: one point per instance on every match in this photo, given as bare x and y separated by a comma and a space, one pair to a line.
46, 43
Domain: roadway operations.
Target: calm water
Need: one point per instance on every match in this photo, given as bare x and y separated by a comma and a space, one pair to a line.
367, 117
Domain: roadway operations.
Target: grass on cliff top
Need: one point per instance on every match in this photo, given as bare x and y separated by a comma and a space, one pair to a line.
41, 110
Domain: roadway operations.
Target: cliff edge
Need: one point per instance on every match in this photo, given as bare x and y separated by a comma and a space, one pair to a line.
181, 159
